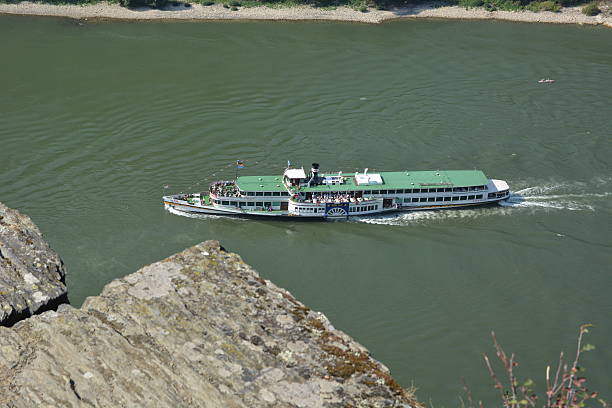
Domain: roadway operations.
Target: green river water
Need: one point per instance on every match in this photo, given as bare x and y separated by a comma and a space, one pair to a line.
97, 119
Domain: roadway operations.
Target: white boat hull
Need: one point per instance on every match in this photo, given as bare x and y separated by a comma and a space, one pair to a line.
211, 210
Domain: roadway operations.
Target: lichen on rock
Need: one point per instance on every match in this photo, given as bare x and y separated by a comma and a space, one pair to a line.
200, 328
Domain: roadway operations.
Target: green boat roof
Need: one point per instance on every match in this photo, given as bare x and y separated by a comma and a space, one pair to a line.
391, 181
260, 183
409, 179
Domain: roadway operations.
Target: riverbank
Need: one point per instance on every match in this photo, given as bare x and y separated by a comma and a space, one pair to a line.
567, 15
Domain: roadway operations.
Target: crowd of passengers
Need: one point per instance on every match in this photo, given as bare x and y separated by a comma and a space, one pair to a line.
334, 198
185, 197
224, 189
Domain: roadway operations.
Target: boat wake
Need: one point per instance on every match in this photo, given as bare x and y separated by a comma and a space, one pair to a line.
556, 196
547, 197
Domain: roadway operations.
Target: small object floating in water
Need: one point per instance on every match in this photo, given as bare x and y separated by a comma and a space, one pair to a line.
546, 81
298, 193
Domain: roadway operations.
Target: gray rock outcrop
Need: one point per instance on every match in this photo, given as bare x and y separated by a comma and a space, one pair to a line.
31, 274
198, 329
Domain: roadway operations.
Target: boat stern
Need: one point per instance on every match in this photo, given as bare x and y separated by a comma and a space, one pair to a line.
498, 189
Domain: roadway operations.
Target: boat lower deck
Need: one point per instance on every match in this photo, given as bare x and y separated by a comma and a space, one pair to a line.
198, 208
215, 210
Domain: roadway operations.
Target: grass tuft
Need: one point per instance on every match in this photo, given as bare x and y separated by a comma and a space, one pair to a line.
591, 9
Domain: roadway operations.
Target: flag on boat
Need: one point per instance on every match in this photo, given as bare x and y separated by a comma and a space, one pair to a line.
239, 164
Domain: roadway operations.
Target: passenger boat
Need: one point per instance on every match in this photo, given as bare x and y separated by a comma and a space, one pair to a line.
339, 195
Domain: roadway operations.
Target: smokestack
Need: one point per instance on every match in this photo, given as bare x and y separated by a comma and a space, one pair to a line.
314, 172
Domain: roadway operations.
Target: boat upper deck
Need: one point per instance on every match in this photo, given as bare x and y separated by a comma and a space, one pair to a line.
260, 183
387, 181
405, 180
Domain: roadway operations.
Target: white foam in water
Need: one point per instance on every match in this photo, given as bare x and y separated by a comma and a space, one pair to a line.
551, 196
419, 217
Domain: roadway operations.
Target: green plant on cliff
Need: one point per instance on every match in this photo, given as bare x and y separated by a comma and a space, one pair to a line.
565, 385
591, 9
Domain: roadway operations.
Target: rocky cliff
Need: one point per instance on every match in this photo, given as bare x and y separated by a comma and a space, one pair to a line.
31, 274
199, 329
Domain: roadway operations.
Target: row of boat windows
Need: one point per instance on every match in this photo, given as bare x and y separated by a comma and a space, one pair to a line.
363, 208
401, 191
266, 204
431, 199
309, 210
266, 193
429, 190
406, 200
315, 210
499, 195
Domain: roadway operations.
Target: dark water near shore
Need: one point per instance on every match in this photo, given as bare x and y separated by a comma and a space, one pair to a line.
96, 119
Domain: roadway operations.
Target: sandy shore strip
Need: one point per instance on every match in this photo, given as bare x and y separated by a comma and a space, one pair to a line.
568, 15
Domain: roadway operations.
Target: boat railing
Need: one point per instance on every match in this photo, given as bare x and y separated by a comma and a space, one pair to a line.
225, 195
333, 200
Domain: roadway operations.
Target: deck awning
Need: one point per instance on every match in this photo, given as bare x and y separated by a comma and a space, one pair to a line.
500, 185
295, 173
368, 179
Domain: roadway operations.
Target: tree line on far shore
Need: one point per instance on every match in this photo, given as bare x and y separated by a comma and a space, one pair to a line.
590, 9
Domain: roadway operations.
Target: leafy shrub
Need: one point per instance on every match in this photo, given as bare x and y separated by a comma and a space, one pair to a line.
363, 9
208, 3
143, 3
234, 3
135, 3
565, 389
547, 5
591, 9
472, 3
226, 6
381, 4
